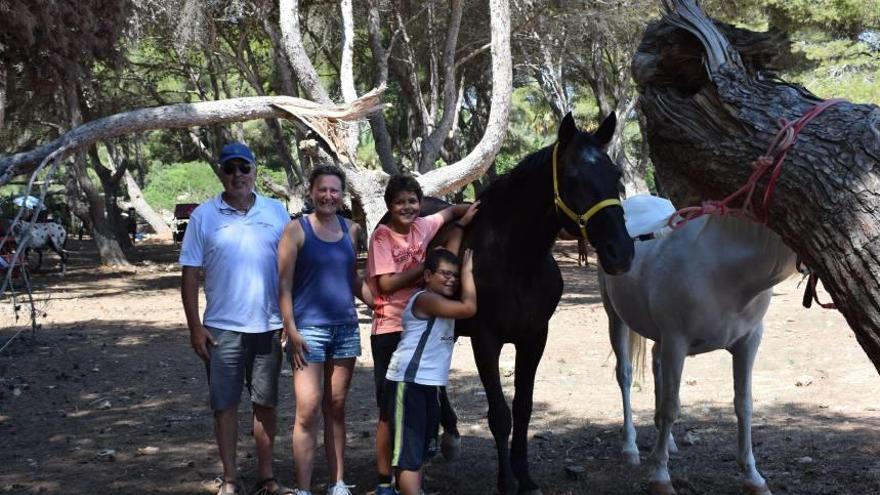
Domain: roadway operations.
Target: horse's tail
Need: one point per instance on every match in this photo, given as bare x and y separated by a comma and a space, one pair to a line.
638, 354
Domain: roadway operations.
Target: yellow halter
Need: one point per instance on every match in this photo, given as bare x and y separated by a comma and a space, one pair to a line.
581, 220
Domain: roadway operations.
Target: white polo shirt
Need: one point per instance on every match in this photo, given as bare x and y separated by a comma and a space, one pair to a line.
239, 254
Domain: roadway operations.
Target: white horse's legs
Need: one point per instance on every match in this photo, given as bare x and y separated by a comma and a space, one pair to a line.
744, 353
620, 343
671, 362
658, 396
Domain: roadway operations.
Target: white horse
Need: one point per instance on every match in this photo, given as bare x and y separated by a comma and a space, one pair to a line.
703, 287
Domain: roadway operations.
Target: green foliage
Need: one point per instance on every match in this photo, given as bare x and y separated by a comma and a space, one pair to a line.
843, 68
188, 182
830, 16
532, 126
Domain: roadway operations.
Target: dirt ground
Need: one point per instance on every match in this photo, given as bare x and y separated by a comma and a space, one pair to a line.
109, 398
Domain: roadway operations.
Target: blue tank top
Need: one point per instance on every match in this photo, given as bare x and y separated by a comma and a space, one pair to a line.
322, 294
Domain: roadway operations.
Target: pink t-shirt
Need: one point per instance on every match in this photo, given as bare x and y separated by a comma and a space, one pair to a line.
391, 252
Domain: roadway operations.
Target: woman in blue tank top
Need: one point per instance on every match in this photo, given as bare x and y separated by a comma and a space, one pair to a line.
318, 282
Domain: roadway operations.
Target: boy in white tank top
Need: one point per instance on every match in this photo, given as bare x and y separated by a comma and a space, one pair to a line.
420, 365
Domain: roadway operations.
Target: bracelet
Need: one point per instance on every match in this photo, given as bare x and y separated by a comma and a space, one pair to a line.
456, 224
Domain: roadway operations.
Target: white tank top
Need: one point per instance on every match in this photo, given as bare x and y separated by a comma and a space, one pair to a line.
424, 353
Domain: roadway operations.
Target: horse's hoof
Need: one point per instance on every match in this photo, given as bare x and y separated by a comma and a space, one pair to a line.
750, 489
450, 446
661, 488
632, 458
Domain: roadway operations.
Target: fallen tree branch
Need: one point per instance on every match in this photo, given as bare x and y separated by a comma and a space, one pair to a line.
317, 117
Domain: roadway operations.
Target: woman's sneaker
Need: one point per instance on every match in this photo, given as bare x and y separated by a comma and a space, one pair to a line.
340, 488
297, 491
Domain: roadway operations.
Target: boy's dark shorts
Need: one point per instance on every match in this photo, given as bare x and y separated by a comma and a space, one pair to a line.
414, 416
382, 346
239, 358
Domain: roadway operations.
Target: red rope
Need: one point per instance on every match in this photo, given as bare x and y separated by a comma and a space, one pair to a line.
772, 159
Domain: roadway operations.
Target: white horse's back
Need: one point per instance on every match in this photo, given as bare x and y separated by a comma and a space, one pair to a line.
709, 281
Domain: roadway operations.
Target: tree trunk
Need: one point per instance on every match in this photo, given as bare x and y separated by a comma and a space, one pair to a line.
461, 173
378, 126
140, 205
711, 112
433, 142
291, 35
3, 82
109, 250
110, 181
346, 70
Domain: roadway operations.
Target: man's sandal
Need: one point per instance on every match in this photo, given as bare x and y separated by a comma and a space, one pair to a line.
223, 485
262, 488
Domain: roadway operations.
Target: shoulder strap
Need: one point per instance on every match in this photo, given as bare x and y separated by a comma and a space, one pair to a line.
306, 225
342, 225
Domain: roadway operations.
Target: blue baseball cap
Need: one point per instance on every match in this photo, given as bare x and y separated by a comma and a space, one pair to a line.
237, 150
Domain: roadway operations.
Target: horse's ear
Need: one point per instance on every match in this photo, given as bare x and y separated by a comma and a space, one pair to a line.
567, 130
606, 131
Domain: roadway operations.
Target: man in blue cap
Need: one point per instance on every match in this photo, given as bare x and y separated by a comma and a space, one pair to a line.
233, 238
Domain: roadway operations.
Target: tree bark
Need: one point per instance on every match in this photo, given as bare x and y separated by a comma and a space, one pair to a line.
711, 111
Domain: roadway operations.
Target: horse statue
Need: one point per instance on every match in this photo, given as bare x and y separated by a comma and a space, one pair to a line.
703, 287
39, 237
571, 185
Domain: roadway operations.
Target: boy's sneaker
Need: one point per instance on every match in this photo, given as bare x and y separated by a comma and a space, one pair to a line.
297, 491
340, 488
386, 489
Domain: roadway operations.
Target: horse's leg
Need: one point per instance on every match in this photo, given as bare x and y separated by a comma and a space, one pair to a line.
527, 359
487, 348
59, 250
29, 252
672, 354
450, 442
658, 395
620, 344
744, 353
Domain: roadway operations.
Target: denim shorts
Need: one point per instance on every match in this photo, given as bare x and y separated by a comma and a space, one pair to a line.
326, 343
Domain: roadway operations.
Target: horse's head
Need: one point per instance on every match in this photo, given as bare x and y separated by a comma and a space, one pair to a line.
587, 194
17, 229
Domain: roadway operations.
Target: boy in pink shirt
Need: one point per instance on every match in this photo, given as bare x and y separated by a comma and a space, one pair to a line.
395, 263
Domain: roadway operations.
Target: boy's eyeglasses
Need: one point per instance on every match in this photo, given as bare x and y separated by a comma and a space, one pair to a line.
447, 274
229, 168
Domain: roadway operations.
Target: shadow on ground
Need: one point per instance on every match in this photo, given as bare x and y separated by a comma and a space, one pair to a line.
119, 407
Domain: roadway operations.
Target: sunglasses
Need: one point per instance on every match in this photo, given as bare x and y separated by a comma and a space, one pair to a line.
229, 168
447, 274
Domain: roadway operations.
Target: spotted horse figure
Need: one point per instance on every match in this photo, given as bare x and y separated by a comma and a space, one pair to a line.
39, 237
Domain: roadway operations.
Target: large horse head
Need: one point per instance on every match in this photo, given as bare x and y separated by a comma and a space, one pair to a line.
587, 194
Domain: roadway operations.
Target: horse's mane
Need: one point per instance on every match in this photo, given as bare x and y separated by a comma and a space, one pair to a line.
508, 191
